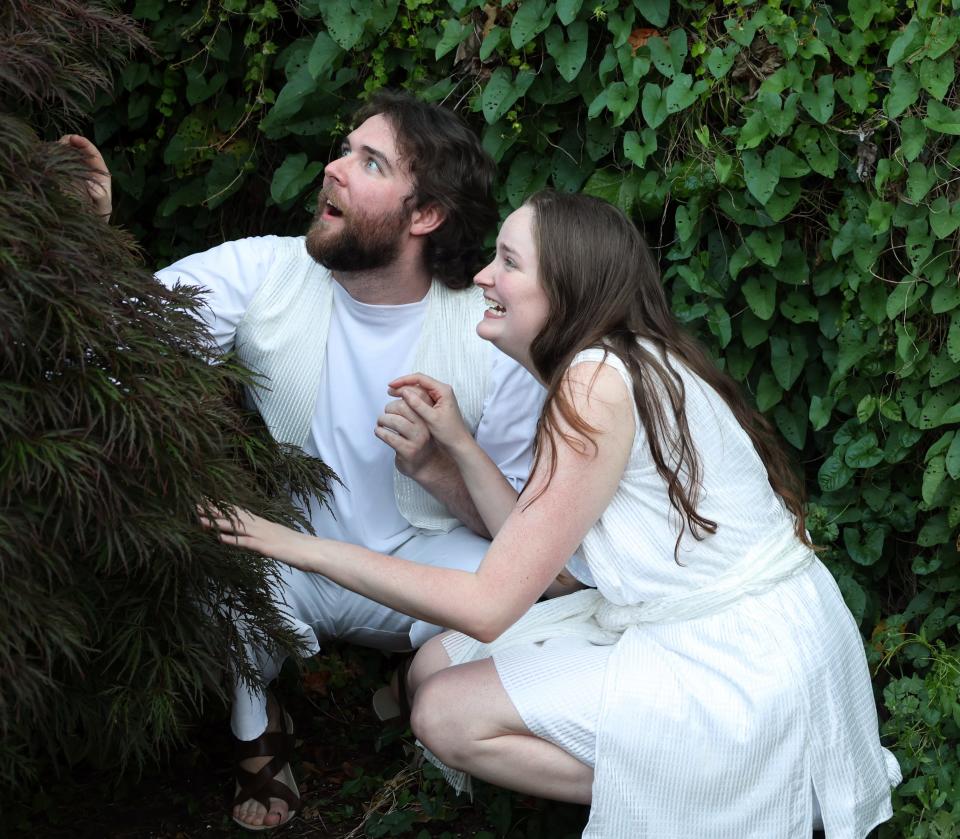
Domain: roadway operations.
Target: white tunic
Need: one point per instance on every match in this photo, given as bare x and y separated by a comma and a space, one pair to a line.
719, 720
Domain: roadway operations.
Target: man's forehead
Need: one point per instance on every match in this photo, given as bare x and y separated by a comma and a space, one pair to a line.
377, 133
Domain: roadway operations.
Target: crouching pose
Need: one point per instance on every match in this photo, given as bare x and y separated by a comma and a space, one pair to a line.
714, 683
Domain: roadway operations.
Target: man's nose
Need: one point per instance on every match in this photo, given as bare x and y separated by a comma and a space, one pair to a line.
335, 169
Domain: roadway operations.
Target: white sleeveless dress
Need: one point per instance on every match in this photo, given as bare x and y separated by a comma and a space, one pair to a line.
734, 683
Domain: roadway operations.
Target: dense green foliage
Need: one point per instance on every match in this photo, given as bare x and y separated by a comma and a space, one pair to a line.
794, 163
118, 614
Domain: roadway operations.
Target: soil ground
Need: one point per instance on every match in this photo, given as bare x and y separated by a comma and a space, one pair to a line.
358, 777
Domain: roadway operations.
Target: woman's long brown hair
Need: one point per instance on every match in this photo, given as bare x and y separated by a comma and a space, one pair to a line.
604, 290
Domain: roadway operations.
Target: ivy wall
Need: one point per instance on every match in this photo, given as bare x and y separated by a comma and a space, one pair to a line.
795, 165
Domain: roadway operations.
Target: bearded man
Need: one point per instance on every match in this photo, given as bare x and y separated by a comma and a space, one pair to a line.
380, 286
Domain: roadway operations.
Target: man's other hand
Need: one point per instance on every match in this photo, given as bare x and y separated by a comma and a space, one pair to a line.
417, 454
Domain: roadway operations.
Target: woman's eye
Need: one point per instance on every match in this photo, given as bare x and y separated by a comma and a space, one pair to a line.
509, 263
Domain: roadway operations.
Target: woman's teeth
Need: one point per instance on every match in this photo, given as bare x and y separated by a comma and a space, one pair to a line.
495, 308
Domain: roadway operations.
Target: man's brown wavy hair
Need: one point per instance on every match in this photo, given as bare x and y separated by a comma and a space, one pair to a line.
604, 290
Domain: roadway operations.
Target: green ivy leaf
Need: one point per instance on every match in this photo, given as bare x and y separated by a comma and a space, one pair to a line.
679, 94
920, 180
944, 30
904, 295
904, 90
821, 153
862, 12
820, 411
291, 98
787, 359
834, 474
851, 347
653, 105
668, 54
503, 90
935, 531
655, 11
454, 32
864, 452
769, 393
905, 43
344, 22
944, 217
951, 460
492, 41
719, 61
864, 551
855, 91
761, 174
766, 245
567, 10
323, 52
637, 147
792, 423
941, 118
530, 19
819, 101
798, 309
913, 137
199, 89
953, 337
937, 76
945, 298
569, 54
292, 177
761, 295
622, 101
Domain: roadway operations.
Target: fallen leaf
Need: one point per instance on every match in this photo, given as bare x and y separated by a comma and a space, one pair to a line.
639, 37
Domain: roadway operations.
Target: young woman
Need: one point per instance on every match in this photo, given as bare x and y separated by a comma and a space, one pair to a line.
714, 683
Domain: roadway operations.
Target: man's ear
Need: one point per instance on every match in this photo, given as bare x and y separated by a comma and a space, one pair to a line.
426, 219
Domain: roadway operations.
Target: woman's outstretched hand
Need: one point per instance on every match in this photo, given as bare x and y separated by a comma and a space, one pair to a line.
439, 411
243, 529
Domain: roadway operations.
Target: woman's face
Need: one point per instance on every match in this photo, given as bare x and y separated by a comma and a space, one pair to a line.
517, 307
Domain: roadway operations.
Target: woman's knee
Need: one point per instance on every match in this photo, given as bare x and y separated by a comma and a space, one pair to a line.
437, 719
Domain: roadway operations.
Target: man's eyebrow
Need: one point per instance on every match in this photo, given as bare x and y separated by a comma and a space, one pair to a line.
377, 155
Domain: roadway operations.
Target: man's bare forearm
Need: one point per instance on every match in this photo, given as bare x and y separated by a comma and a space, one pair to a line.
445, 483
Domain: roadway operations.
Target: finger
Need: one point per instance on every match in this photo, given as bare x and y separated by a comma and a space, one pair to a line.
399, 425
429, 385
400, 408
399, 444
415, 402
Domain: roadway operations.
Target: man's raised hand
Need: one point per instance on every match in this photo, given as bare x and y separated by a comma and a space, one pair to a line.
98, 182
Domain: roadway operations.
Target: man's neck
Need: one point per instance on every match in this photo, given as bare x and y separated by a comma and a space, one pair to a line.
400, 282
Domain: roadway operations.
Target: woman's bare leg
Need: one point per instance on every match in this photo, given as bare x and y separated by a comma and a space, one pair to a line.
464, 716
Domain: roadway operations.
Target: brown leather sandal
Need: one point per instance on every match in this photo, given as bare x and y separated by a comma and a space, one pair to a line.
274, 779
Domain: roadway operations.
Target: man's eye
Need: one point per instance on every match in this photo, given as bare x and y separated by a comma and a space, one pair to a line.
344, 151
373, 166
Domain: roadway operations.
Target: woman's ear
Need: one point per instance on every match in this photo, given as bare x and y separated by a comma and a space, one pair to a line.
424, 220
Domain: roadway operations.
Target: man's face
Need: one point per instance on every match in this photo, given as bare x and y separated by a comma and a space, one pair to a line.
363, 209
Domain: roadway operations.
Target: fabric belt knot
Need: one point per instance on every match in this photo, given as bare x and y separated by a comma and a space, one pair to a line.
777, 558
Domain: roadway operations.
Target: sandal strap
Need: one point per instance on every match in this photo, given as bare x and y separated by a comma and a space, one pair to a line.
262, 785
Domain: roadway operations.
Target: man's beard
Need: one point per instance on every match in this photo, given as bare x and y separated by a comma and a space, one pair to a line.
363, 242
